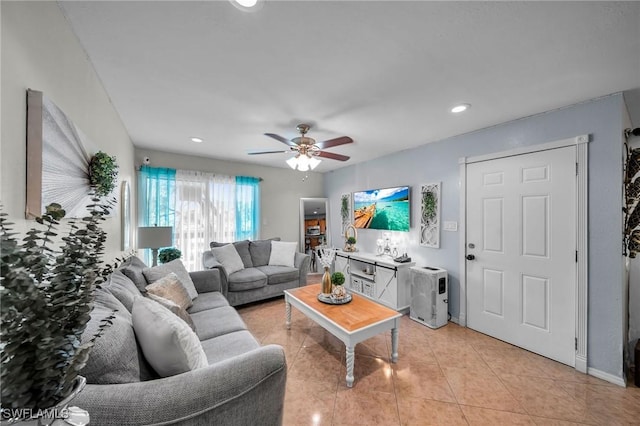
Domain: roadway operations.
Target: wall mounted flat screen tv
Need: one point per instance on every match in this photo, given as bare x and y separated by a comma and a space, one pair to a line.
387, 209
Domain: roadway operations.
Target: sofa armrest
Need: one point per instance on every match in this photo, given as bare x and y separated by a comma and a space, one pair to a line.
210, 262
207, 281
244, 390
302, 262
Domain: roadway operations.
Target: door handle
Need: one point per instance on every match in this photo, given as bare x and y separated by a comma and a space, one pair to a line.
470, 257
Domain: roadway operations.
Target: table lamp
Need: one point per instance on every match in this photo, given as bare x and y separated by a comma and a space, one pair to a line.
155, 237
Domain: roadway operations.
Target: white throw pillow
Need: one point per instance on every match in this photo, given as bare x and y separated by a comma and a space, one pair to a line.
177, 267
168, 343
283, 253
229, 257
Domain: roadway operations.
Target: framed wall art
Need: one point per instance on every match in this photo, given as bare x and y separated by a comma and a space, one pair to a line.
430, 215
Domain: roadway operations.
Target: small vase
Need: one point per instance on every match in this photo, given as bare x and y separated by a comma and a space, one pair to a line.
326, 281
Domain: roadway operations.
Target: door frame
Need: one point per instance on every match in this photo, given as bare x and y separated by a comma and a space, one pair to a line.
581, 143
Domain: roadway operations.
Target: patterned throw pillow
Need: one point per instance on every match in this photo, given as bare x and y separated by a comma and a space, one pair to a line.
175, 308
175, 266
167, 342
171, 288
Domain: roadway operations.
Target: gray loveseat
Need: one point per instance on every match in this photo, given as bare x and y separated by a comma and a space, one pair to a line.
243, 384
258, 280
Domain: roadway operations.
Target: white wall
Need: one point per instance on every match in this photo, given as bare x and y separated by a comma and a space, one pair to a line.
280, 190
434, 162
40, 52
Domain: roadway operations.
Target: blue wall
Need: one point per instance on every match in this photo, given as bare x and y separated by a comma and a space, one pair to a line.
602, 119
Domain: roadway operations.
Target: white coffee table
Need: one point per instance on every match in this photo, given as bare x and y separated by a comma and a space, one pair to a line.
352, 323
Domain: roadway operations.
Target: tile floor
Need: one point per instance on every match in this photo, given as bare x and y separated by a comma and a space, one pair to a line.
448, 376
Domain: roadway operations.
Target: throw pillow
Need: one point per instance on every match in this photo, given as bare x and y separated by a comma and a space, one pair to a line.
167, 342
175, 266
283, 253
175, 308
243, 250
132, 268
260, 251
228, 256
171, 288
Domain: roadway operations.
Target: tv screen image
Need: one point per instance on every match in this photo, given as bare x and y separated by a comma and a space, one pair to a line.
387, 209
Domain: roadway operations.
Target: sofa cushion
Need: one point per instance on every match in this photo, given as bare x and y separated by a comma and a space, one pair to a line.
174, 308
216, 322
122, 288
229, 345
228, 256
168, 343
209, 300
283, 253
115, 356
279, 274
242, 247
175, 266
132, 268
171, 288
261, 251
247, 279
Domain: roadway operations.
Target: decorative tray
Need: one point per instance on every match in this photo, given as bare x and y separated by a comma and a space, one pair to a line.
330, 300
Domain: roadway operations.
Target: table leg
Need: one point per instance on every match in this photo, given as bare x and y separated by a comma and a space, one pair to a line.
394, 345
287, 310
350, 362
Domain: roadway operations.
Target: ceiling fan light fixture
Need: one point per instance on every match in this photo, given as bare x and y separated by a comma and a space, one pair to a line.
293, 162
303, 163
313, 162
247, 5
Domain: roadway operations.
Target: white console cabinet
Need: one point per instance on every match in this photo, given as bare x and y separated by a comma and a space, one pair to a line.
376, 277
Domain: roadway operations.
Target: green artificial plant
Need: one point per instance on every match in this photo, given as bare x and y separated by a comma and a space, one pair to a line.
337, 278
103, 173
351, 240
46, 296
168, 254
429, 205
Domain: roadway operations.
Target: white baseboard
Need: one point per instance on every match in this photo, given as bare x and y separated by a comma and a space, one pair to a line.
455, 320
607, 377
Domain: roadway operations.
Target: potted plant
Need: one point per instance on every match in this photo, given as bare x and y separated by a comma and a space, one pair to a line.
337, 280
103, 173
47, 295
168, 254
351, 244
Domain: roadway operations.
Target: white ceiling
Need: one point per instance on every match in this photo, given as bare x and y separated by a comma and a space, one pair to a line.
385, 73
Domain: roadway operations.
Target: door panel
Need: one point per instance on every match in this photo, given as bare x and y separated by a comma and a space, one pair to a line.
521, 230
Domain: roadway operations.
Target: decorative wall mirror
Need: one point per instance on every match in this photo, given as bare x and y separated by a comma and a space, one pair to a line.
314, 223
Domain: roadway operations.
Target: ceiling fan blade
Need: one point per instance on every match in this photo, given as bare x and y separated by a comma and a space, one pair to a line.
280, 151
332, 156
334, 142
280, 139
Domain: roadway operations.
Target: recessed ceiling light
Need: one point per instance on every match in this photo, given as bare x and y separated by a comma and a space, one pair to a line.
247, 5
197, 140
460, 108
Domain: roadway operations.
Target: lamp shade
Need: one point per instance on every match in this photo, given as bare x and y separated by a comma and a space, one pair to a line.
155, 236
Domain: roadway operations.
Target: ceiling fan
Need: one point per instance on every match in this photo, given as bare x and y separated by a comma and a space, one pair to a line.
307, 149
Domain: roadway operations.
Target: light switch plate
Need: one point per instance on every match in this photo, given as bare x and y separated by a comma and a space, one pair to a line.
450, 226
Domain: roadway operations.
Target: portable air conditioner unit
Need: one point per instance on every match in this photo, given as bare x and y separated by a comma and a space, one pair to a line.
429, 294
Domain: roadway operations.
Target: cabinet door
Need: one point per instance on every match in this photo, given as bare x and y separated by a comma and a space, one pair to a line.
387, 287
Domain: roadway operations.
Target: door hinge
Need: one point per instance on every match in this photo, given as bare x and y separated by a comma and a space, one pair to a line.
576, 169
576, 256
576, 343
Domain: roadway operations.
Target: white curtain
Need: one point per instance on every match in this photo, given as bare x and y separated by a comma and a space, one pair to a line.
205, 212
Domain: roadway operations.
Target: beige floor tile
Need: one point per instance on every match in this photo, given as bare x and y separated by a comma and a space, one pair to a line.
371, 374
485, 416
606, 404
480, 388
459, 356
426, 412
309, 403
354, 407
424, 381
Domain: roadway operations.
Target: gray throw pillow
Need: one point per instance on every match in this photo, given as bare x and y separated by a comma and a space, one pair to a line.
170, 346
242, 247
132, 268
115, 356
261, 251
177, 267
229, 258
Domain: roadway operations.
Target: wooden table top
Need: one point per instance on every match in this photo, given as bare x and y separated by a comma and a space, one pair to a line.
359, 313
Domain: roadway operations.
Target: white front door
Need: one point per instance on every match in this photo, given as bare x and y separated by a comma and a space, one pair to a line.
521, 250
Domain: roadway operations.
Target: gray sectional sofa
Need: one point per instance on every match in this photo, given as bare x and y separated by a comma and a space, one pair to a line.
258, 280
243, 383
